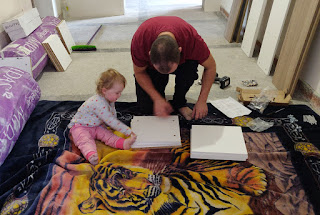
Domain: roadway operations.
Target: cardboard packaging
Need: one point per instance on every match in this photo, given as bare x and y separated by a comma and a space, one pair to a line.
22, 24
246, 96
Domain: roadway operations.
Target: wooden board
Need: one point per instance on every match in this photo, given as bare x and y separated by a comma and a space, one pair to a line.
217, 143
57, 52
253, 26
156, 132
272, 34
312, 32
303, 23
233, 20
242, 16
65, 36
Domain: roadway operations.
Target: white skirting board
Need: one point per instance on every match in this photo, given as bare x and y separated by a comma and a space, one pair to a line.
217, 142
156, 132
253, 26
272, 35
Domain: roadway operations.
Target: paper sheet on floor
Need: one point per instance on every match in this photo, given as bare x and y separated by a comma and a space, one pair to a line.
230, 107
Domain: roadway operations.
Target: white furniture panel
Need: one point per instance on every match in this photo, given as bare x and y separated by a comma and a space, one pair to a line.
272, 35
156, 132
217, 143
253, 26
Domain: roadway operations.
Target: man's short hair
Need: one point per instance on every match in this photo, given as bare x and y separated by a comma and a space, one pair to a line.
164, 50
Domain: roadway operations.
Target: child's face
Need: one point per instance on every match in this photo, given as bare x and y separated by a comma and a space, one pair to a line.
112, 94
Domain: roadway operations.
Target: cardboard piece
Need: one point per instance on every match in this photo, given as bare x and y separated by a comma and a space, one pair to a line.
156, 132
217, 143
57, 52
246, 96
22, 24
23, 63
65, 36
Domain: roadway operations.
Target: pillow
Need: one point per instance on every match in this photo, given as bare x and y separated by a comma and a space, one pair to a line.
19, 94
31, 45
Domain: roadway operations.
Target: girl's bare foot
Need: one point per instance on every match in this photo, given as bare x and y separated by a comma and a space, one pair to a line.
186, 112
94, 159
129, 141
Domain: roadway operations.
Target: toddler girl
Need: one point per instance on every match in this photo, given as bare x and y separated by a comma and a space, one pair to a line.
95, 114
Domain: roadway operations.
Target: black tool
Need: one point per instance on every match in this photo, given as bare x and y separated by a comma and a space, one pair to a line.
275, 111
224, 81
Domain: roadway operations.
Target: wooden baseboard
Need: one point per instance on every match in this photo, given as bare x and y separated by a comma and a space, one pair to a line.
224, 12
309, 94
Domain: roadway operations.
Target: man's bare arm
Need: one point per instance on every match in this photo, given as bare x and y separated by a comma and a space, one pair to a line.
208, 76
200, 109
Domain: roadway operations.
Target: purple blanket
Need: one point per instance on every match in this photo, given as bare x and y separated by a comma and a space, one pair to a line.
19, 95
31, 45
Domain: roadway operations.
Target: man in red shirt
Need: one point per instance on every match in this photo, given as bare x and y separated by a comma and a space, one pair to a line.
168, 45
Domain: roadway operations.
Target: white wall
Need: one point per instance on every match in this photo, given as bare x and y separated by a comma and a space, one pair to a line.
82, 9
211, 5
10, 8
311, 70
48, 7
227, 4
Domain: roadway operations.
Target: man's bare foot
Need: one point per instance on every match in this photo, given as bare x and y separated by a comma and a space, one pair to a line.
186, 112
94, 159
129, 141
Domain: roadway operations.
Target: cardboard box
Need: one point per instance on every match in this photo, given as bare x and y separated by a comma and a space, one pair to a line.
27, 30
20, 20
246, 96
22, 24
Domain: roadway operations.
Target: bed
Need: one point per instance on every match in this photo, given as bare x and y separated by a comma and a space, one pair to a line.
46, 174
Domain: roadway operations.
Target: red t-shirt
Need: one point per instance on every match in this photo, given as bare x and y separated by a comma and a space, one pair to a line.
193, 46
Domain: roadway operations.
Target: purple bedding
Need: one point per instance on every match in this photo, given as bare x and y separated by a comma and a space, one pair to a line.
19, 95
31, 45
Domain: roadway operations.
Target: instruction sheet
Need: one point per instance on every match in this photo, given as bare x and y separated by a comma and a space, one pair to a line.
230, 107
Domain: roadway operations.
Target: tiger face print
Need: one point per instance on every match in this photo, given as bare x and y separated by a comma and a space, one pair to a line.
122, 190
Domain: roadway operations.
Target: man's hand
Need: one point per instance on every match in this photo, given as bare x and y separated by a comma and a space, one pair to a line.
200, 110
162, 108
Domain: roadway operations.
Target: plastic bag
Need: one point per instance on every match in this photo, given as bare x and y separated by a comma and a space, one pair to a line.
259, 125
260, 102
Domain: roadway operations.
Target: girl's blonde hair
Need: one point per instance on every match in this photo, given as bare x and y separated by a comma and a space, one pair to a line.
108, 78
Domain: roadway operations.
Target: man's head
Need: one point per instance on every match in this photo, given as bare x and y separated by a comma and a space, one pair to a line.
165, 54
